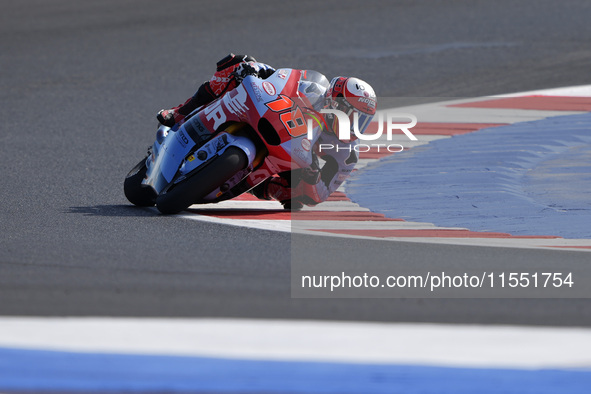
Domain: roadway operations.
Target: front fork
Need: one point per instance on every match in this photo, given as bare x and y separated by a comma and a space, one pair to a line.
162, 169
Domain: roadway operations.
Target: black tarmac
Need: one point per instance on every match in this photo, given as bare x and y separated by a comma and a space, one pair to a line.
80, 85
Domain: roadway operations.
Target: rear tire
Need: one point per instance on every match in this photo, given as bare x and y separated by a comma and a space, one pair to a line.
213, 175
136, 193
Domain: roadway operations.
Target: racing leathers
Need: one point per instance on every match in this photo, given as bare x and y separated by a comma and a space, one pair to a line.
313, 185
308, 186
228, 75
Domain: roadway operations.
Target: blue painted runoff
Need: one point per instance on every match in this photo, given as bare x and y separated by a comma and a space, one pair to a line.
37, 371
529, 178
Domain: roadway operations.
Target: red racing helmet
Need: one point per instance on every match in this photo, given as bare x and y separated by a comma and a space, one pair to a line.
351, 95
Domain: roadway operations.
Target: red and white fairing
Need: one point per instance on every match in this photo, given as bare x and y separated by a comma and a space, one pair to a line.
276, 110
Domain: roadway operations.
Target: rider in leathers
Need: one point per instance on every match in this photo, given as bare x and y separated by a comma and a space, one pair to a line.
312, 185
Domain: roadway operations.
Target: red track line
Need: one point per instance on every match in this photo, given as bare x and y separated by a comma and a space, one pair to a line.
568, 247
544, 103
278, 214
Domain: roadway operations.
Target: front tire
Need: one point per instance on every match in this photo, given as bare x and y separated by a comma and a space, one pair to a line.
136, 193
179, 197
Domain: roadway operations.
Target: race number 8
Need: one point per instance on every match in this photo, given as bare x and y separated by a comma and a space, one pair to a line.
291, 115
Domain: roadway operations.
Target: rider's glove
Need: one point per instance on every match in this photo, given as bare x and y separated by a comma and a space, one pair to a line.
244, 70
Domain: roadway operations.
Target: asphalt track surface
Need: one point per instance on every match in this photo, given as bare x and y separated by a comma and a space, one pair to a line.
82, 81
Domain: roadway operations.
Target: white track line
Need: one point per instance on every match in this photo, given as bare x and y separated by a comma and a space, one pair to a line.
458, 345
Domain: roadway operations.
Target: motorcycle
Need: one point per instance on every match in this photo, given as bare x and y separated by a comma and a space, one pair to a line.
229, 146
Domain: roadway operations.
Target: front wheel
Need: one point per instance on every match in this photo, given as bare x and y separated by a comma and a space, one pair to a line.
180, 196
135, 192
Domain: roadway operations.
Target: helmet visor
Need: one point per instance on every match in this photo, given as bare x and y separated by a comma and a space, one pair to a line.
357, 120
361, 123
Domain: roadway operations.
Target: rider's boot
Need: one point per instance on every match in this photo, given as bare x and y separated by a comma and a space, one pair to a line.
170, 117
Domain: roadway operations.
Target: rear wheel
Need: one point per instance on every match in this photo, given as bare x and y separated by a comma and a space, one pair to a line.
180, 196
135, 192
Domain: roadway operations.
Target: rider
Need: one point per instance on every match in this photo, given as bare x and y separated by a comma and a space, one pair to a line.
313, 184
228, 74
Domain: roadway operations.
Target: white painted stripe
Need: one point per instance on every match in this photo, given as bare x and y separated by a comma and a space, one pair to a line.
393, 343
274, 225
337, 206
571, 91
442, 113
240, 204
311, 227
580, 245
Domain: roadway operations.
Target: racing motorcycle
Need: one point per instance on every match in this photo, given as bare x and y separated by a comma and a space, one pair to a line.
227, 147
